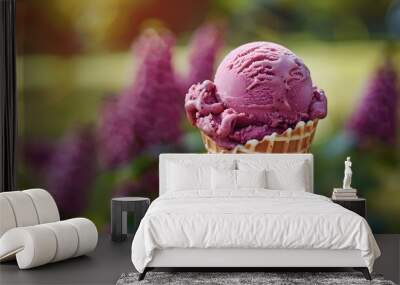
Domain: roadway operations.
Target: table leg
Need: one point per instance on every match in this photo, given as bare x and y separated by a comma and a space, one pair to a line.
116, 222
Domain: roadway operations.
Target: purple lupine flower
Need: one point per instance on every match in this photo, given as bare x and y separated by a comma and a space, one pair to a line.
71, 172
146, 40
376, 116
117, 141
154, 97
149, 111
204, 46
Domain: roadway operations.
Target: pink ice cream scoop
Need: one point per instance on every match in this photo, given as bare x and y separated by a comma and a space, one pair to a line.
259, 88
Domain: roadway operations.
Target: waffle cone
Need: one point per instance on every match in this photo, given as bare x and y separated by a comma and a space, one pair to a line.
297, 140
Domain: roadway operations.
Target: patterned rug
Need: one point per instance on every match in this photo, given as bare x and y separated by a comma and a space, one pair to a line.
243, 278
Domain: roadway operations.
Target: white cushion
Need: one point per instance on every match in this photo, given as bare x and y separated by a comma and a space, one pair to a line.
230, 180
183, 177
223, 179
32, 246
290, 175
40, 244
251, 178
45, 205
87, 233
7, 218
67, 238
186, 175
26, 208
23, 208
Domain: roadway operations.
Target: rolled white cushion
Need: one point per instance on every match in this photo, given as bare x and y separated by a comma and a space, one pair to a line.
40, 244
23, 208
33, 246
45, 205
67, 240
87, 235
7, 218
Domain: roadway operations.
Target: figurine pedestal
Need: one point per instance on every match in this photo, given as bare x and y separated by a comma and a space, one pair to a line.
344, 189
344, 194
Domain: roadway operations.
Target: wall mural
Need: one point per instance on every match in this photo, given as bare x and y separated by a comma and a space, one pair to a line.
102, 90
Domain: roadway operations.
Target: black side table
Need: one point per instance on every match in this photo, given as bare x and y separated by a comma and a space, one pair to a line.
120, 207
358, 206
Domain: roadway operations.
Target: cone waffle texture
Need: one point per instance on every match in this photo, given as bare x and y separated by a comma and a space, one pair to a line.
297, 140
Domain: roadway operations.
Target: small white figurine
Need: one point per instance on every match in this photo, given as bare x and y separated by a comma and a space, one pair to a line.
347, 174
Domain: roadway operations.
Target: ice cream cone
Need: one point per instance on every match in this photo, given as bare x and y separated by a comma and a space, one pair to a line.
297, 140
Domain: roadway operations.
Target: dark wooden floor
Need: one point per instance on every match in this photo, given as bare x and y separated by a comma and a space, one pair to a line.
103, 266
389, 262
110, 260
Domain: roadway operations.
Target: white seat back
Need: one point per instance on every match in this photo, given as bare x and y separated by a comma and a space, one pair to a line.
26, 208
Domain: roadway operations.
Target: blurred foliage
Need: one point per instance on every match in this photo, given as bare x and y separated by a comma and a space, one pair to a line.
327, 20
72, 26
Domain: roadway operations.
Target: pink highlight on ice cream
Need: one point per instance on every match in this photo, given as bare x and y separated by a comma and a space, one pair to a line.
259, 88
